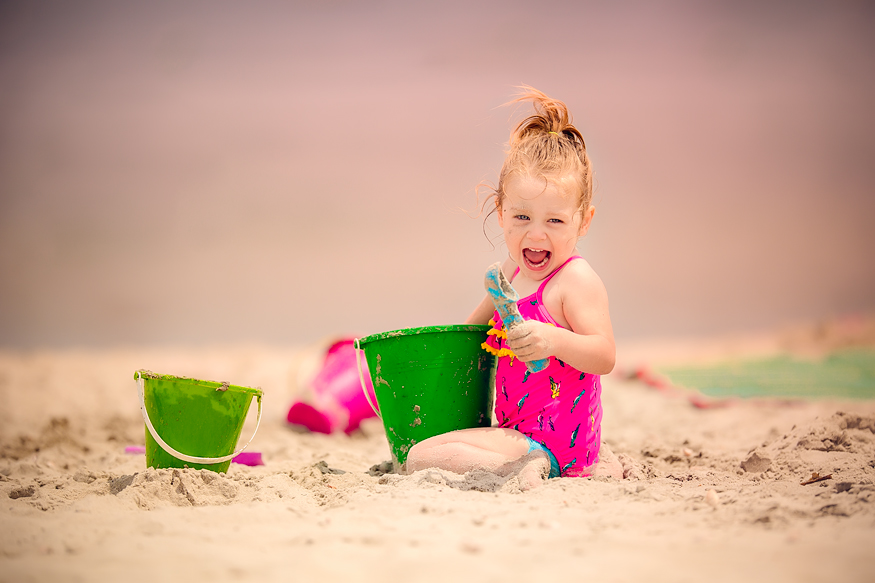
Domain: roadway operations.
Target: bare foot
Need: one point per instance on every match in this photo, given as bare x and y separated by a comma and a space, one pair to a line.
531, 470
608, 466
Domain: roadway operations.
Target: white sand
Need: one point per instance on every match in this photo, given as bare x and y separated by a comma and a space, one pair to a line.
75, 507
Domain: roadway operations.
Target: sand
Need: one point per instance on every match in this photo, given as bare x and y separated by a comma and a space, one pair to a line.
709, 494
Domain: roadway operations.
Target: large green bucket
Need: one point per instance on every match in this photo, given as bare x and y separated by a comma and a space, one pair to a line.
429, 381
192, 423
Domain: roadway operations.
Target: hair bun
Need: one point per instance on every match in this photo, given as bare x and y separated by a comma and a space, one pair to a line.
547, 144
551, 117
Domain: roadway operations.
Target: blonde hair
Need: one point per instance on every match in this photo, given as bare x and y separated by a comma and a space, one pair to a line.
546, 145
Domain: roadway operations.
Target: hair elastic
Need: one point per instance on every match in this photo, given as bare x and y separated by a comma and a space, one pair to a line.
553, 133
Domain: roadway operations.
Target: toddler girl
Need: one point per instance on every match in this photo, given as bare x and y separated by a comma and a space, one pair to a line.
549, 422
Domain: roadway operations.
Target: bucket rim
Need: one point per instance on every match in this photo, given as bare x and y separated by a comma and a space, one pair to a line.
423, 330
149, 375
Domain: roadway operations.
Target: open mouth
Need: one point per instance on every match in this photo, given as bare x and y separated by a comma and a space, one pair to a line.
536, 258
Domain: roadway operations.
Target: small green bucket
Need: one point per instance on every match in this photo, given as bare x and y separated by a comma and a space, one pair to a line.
429, 381
192, 423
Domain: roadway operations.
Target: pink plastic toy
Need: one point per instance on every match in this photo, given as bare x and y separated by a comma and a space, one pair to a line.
248, 458
338, 402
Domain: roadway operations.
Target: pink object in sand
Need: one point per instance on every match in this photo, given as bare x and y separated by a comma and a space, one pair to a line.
338, 401
248, 458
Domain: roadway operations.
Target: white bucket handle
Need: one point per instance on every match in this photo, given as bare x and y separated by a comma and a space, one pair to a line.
189, 458
358, 361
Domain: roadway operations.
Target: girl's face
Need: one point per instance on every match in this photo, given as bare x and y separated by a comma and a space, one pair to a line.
541, 222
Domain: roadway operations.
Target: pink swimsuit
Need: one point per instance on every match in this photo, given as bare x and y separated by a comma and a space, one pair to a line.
559, 407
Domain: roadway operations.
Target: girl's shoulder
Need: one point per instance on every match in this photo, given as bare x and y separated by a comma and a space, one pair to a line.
573, 292
577, 274
576, 282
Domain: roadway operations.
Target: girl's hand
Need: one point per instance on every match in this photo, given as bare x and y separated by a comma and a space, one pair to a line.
531, 340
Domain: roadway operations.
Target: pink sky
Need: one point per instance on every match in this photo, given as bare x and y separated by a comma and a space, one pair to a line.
274, 172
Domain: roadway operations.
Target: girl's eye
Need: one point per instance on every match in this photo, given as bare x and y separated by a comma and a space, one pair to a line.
558, 221
522, 217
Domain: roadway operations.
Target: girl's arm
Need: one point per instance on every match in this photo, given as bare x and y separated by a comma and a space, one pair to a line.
589, 345
482, 313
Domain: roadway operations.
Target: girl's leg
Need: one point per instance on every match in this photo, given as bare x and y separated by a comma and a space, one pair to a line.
493, 449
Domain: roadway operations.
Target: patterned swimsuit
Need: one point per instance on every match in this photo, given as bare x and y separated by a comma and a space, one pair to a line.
559, 407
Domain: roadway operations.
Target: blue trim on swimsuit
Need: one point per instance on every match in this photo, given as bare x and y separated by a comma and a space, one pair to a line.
554, 463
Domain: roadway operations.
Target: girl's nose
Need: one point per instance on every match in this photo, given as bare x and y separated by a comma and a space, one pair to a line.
536, 234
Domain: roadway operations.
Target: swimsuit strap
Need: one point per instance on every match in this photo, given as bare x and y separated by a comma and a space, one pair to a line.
549, 277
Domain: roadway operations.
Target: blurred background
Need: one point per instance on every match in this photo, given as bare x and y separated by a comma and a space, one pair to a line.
277, 172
